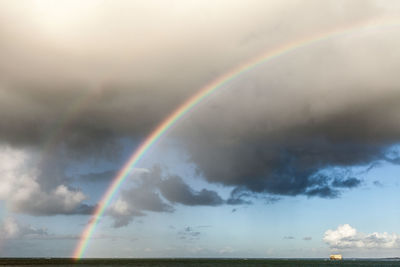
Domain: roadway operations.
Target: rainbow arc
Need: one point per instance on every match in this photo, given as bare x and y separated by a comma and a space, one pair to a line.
196, 99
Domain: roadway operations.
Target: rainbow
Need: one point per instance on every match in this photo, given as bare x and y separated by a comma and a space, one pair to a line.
192, 102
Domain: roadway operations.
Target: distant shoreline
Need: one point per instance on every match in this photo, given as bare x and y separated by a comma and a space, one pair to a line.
192, 262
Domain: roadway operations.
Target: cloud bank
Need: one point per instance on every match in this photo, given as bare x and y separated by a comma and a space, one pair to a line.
106, 75
80, 82
347, 237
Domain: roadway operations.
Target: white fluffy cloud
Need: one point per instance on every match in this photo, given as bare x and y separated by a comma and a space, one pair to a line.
347, 237
24, 193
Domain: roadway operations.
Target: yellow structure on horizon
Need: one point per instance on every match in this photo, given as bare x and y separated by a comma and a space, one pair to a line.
336, 257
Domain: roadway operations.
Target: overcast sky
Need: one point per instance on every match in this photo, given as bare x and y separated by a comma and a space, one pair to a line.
297, 157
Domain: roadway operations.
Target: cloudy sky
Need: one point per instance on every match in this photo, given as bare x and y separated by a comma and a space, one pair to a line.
297, 157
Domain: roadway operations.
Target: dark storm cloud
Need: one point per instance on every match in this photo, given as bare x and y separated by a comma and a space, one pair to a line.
176, 191
288, 161
239, 196
348, 183
324, 191
83, 86
281, 138
74, 87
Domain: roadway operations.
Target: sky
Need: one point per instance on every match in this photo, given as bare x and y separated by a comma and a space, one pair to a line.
296, 157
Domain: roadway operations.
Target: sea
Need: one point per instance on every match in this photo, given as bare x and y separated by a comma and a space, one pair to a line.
190, 262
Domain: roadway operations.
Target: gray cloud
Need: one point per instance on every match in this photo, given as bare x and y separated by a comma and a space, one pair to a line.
289, 237
54, 204
176, 191
12, 229
151, 191
189, 234
122, 215
377, 183
136, 200
146, 200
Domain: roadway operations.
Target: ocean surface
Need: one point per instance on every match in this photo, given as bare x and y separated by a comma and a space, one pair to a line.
196, 262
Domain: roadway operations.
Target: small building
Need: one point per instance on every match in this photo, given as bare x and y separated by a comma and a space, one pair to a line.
336, 257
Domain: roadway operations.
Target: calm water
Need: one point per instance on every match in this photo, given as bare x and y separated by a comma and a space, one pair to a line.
199, 262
